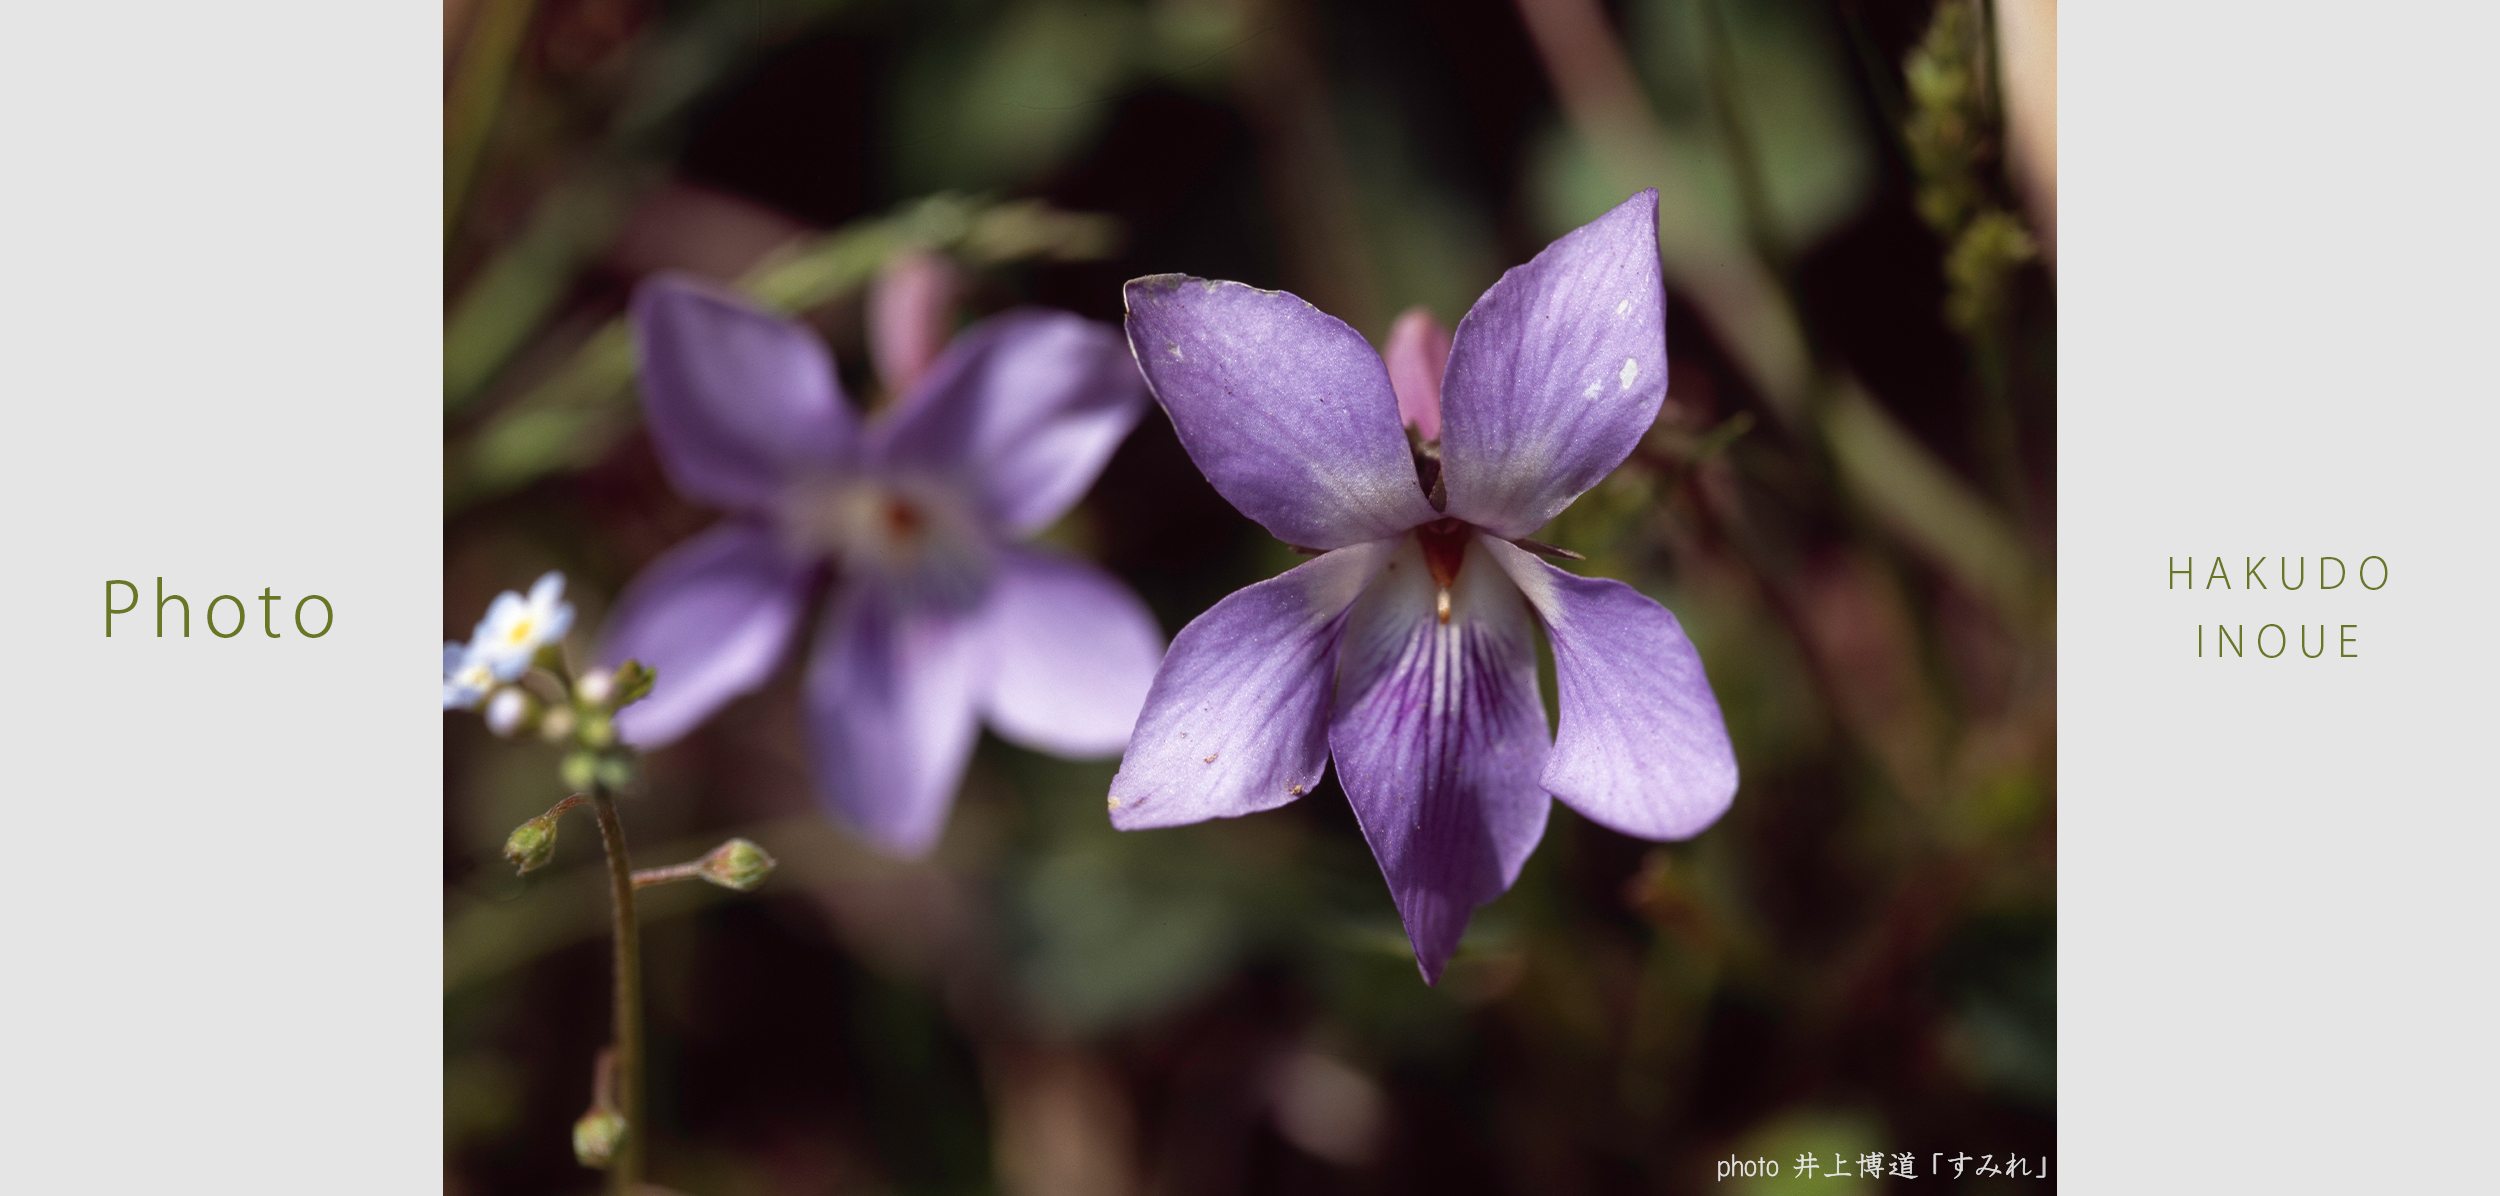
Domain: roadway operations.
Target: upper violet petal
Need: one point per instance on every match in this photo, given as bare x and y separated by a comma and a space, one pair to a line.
740, 402
1642, 747
1074, 653
1419, 350
1556, 373
1237, 720
1285, 409
1439, 737
890, 697
1024, 408
712, 618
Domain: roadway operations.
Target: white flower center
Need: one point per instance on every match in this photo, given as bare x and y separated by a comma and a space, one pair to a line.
916, 533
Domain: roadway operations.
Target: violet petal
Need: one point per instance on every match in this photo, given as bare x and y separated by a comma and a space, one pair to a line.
1285, 409
1439, 737
1073, 651
1418, 352
1556, 373
890, 694
1237, 720
739, 401
1024, 408
1641, 747
712, 617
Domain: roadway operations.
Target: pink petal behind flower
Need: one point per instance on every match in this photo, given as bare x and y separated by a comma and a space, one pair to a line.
908, 317
1439, 737
1419, 349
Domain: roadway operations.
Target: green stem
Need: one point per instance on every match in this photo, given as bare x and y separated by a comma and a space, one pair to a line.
625, 1170
690, 870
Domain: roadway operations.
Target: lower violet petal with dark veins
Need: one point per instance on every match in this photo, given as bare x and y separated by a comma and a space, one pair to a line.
1439, 738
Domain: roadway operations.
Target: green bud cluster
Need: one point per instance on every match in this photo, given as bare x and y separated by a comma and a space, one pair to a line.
585, 769
587, 724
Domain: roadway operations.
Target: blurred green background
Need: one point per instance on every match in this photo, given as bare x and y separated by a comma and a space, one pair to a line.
1847, 499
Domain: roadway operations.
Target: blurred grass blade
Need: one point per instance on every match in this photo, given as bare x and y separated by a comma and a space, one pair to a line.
513, 295
1920, 498
478, 83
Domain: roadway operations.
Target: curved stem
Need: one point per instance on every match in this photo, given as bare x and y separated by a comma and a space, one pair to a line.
625, 1170
674, 872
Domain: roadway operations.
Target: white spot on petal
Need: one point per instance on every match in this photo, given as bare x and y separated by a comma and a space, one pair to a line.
1174, 349
1623, 307
1591, 392
1631, 370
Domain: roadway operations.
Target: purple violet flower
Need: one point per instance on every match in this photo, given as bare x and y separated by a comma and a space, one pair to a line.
1407, 650
937, 618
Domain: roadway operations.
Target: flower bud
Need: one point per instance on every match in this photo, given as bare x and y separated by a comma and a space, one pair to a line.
556, 725
595, 687
738, 864
532, 844
596, 1137
507, 710
596, 730
630, 683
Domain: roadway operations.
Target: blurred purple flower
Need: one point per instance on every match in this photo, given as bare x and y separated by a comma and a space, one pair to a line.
1407, 649
936, 618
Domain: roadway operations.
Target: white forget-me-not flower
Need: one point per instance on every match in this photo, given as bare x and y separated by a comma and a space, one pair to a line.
505, 641
515, 628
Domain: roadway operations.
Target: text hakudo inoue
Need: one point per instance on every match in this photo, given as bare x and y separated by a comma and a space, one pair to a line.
2290, 575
